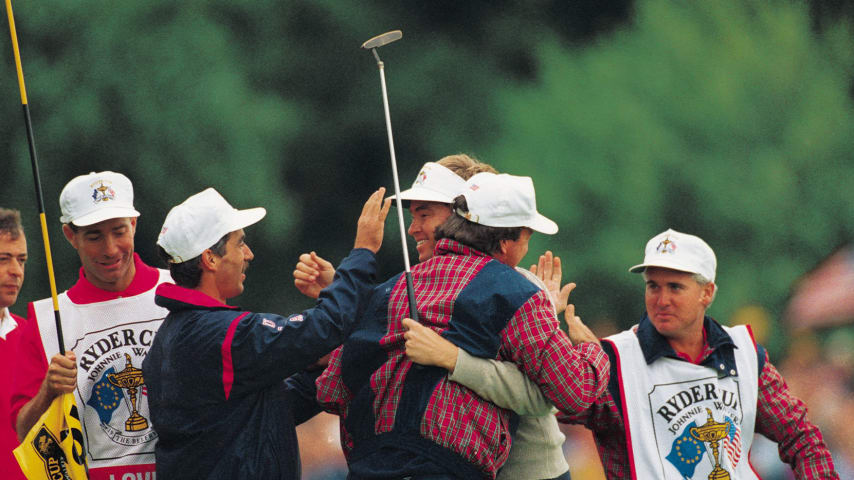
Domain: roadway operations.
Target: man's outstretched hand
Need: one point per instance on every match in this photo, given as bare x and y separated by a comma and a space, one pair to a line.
369, 230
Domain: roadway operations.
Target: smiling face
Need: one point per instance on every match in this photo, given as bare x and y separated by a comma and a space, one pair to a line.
106, 252
676, 303
426, 216
231, 267
13, 257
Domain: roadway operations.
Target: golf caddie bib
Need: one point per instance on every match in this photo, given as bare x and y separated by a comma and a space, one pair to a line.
687, 421
110, 340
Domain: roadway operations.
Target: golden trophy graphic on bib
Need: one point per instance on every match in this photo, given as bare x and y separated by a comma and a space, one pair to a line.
130, 378
712, 433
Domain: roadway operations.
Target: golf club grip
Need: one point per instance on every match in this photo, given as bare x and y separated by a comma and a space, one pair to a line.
410, 290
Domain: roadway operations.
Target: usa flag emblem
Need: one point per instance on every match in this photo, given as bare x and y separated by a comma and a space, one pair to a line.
732, 443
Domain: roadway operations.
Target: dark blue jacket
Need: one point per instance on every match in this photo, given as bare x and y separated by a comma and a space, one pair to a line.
226, 387
481, 310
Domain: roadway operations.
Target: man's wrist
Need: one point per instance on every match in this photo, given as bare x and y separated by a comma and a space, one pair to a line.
450, 361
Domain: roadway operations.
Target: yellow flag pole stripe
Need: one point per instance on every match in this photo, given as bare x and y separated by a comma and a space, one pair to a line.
14, 34
35, 164
53, 293
64, 406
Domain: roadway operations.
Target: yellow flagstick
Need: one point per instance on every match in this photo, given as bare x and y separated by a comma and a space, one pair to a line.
58, 433
35, 163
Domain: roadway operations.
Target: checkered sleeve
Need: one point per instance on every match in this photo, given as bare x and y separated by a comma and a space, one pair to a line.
332, 395
610, 435
606, 423
782, 417
570, 377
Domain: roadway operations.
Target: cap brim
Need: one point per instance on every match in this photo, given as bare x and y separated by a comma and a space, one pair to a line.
245, 218
104, 214
424, 195
543, 225
668, 265
638, 268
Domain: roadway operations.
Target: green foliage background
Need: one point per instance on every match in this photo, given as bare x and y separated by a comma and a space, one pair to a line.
731, 120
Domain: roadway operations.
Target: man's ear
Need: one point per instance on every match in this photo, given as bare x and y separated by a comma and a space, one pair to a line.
708, 293
502, 246
208, 260
501, 254
69, 235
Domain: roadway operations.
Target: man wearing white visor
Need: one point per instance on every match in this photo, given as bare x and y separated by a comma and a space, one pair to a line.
227, 386
428, 200
686, 394
108, 320
398, 420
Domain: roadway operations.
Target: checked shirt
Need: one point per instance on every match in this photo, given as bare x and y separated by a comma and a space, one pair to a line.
488, 309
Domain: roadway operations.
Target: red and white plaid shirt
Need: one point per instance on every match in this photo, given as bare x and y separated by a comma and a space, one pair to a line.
455, 417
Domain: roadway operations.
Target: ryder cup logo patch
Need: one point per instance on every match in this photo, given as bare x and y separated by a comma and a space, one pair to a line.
666, 246
422, 177
697, 428
101, 192
112, 387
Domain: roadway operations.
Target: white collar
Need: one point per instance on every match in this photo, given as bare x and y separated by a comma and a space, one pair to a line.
7, 323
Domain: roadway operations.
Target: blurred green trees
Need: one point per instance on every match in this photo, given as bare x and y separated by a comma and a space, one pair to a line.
731, 120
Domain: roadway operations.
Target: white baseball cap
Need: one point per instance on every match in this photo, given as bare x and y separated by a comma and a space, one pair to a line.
93, 198
434, 183
197, 224
679, 251
502, 200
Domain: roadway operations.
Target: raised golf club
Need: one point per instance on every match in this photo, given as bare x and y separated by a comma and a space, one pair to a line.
383, 39
373, 44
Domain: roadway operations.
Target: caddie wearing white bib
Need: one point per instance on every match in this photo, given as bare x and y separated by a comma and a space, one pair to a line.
108, 320
687, 395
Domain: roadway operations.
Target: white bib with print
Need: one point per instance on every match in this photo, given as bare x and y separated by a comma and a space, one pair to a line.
682, 420
110, 340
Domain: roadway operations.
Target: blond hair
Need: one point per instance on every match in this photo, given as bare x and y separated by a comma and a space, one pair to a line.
465, 166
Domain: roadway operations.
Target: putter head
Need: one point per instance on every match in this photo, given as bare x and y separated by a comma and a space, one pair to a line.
383, 39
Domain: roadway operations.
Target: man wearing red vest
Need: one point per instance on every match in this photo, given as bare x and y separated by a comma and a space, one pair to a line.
13, 257
108, 319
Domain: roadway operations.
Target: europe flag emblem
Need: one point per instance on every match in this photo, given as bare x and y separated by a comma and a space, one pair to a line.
106, 397
686, 452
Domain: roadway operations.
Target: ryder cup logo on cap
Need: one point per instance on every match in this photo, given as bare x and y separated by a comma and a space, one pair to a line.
197, 224
504, 201
93, 198
679, 251
434, 183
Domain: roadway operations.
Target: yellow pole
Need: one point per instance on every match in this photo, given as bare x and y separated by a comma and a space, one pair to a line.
35, 164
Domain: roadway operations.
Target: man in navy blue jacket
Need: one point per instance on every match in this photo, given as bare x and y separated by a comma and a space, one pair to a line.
226, 387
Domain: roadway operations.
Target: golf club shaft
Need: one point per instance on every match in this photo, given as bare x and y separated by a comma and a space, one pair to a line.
413, 310
35, 164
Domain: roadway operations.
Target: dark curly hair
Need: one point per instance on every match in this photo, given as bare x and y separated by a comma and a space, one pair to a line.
479, 237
